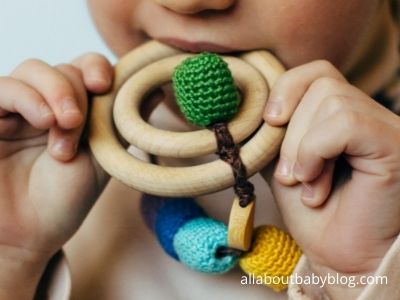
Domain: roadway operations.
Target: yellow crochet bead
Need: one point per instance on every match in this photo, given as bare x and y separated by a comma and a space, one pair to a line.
272, 258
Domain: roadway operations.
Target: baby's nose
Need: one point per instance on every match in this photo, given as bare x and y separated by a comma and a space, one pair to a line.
195, 6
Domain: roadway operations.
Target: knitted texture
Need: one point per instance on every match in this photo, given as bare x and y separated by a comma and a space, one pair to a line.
205, 90
273, 257
171, 216
196, 244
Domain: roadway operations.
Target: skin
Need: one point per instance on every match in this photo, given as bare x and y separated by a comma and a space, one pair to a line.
42, 118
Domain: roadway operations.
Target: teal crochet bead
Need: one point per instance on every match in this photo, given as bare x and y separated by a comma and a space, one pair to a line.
205, 90
196, 244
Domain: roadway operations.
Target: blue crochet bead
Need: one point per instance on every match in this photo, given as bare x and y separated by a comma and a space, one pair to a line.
172, 215
196, 244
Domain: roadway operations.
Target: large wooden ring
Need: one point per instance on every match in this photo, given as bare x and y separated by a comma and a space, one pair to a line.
165, 143
176, 181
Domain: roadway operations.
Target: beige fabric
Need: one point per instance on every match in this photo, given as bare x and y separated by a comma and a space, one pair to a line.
390, 267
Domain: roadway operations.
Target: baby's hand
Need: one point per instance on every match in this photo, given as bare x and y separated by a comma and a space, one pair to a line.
47, 181
347, 226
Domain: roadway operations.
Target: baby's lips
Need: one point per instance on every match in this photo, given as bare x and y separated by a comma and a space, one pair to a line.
196, 46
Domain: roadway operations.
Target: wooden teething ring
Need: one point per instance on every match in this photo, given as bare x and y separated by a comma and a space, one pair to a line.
195, 143
179, 181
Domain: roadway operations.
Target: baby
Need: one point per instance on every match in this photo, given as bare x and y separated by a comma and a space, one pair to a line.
339, 54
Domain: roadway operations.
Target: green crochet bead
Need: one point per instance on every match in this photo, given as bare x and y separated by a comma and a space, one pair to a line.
205, 90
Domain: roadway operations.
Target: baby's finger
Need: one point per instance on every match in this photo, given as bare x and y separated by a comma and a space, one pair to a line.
9, 126
17, 97
55, 89
97, 72
14, 127
350, 133
304, 118
290, 88
315, 193
63, 144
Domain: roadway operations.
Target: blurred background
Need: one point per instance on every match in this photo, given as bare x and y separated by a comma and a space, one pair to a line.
55, 31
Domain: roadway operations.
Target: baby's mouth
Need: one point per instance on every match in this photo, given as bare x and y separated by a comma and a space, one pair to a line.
196, 47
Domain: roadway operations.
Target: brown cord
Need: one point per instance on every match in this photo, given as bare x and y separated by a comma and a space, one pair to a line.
227, 251
228, 151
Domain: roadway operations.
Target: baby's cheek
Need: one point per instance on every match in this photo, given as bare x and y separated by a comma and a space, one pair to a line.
115, 21
313, 29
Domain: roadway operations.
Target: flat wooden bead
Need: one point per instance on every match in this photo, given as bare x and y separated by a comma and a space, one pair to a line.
240, 226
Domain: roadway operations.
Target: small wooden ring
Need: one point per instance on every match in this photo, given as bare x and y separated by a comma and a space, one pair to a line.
175, 181
195, 143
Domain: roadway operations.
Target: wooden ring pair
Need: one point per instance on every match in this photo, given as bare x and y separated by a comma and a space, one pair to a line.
149, 66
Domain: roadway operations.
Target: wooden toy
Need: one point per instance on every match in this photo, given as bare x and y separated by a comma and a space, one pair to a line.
144, 69
116, 122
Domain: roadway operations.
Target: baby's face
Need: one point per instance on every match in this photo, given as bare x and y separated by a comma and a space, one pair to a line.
297, 31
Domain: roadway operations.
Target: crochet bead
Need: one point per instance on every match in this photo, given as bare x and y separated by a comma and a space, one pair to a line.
196, 244
171, 216
205, 90
274, 255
